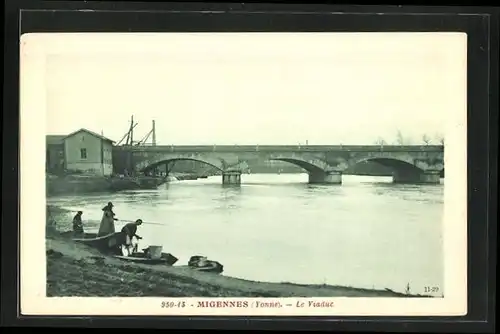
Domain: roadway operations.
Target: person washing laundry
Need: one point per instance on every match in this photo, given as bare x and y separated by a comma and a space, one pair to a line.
130, 231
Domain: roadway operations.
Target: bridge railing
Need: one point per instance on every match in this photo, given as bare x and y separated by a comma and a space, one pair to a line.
284, 148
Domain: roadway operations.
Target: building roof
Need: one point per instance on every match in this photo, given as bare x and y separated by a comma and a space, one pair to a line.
90, 132
55, 139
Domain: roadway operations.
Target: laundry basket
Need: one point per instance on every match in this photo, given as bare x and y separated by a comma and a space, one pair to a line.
155, 252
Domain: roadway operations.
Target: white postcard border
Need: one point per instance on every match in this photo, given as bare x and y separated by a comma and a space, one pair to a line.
34, 50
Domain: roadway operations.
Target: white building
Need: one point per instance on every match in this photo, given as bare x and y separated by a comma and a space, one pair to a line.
88, 152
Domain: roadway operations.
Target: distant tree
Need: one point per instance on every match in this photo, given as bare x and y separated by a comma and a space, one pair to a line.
400, 140
440, 139
426, 139
380, 141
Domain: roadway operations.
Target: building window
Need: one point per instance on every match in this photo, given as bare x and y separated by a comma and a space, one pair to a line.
83, 153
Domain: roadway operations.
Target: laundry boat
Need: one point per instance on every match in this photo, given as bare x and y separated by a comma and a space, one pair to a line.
106, 243
149, 255
142, 257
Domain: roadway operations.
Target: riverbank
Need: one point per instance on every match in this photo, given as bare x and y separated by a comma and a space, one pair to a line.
86, 184
77, 270
82, 184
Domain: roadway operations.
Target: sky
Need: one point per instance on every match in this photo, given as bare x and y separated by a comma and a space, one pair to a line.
257, 88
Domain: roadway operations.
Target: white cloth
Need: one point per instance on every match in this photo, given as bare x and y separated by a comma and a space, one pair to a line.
128, 240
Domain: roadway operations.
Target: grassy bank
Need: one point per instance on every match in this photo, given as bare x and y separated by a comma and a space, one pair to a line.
77, 270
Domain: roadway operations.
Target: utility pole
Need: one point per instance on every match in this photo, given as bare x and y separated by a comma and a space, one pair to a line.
129, 142
132, 130
130, 136
154, 134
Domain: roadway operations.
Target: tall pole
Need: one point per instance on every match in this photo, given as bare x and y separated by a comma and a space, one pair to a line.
129, 142
154, 134
132, 130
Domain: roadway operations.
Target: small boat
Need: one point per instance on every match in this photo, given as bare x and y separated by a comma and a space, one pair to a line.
201, 263
143, 257
210, 267
104, 243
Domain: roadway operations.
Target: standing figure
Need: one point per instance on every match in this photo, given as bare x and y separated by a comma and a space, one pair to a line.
130, 231
78, 225
108, 221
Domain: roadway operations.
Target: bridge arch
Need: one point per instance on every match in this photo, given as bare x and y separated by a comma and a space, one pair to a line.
309, 165
407, 170
147, 165
394, 163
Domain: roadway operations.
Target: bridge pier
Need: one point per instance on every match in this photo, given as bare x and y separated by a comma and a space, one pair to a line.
325, 178
432, 177
231, 178
427, 177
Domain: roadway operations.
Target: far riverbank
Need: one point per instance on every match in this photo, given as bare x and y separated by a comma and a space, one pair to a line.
77, 270
86, 184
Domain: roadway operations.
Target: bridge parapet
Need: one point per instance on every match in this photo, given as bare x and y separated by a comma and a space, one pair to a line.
283, 148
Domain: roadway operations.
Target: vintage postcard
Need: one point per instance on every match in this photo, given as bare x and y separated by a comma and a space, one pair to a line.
243, 174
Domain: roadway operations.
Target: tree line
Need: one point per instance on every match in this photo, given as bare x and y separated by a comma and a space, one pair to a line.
400, 139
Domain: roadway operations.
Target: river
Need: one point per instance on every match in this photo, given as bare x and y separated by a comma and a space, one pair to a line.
366, 232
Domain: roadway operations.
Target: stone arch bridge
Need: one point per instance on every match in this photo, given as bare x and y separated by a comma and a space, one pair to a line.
324, 164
